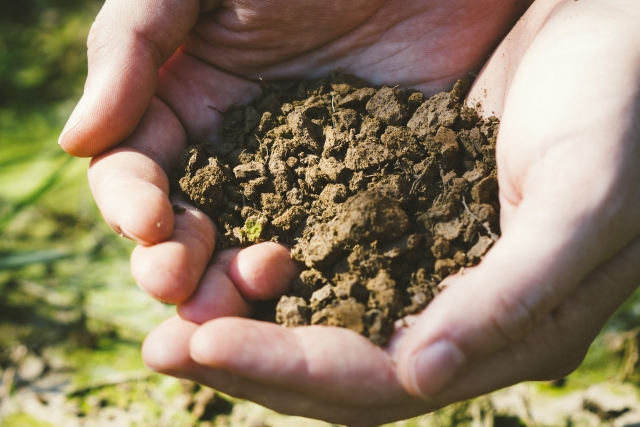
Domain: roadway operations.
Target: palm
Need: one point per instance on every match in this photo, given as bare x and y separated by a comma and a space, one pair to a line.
424, 45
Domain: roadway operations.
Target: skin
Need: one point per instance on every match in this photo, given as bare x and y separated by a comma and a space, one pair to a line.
566, 84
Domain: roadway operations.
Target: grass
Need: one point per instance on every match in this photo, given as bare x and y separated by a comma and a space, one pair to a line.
34, 196
23, 420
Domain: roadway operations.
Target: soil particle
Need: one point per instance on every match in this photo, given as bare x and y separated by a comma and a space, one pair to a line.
385, 105
204, 187
381, 193
364, 218
292, 311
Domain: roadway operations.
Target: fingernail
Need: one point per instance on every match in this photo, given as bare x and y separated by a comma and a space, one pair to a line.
435, 366
75, 118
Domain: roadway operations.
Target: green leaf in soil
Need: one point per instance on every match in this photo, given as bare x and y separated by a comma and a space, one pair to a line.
252, 229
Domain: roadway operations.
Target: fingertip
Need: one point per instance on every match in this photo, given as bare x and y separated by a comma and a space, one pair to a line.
67, 141
78, 142
205, 342
147, 217
432, 368
72, 147
165, 349
163, 271
131, 191
108, 113
125, 51
75, 150
216, 296
171, 270
263, 271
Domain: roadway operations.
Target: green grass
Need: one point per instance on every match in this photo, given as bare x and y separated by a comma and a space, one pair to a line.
33, 197
23, 420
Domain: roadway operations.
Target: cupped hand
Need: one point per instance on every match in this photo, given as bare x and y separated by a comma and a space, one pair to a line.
160, 72
566, 85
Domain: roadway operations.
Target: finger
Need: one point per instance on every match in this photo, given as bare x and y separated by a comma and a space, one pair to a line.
166, 350
264, 271
128, 43
555, 238
170, 271
235, 277
330, 364
216, 295
130, 183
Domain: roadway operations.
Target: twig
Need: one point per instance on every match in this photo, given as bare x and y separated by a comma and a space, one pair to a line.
493, 235
631, 355
111, 380
263, 83
214, 108
201, 400
421, 177
444, 184
7, 382
526, 401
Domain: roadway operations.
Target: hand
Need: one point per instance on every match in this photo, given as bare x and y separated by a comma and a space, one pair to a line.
567, 155
151, 99
537, 300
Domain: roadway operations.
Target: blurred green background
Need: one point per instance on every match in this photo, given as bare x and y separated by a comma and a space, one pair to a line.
72, 319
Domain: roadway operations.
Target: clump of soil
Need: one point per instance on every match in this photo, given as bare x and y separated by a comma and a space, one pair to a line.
381, 192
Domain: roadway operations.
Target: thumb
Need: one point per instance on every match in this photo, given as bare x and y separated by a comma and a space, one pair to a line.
529, 271
569, 220
128, 43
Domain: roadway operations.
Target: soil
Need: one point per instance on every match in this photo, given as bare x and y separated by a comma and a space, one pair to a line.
381, 192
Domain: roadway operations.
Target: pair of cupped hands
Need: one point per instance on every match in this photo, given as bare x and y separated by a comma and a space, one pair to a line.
565, 82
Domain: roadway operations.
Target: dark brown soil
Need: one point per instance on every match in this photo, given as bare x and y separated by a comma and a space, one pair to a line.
381, 193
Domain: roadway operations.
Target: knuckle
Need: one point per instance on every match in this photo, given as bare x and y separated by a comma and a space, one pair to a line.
560, 365
99, 39
518, 313
108, 39
567, 367
145, 44
560, 349
512, 319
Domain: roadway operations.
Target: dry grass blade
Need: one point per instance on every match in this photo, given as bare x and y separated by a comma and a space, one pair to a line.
35, 195
29, 258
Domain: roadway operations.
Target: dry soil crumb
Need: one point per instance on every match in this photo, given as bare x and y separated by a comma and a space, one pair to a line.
381, 193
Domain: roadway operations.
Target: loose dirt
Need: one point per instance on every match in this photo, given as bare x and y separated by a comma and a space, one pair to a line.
381, 192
